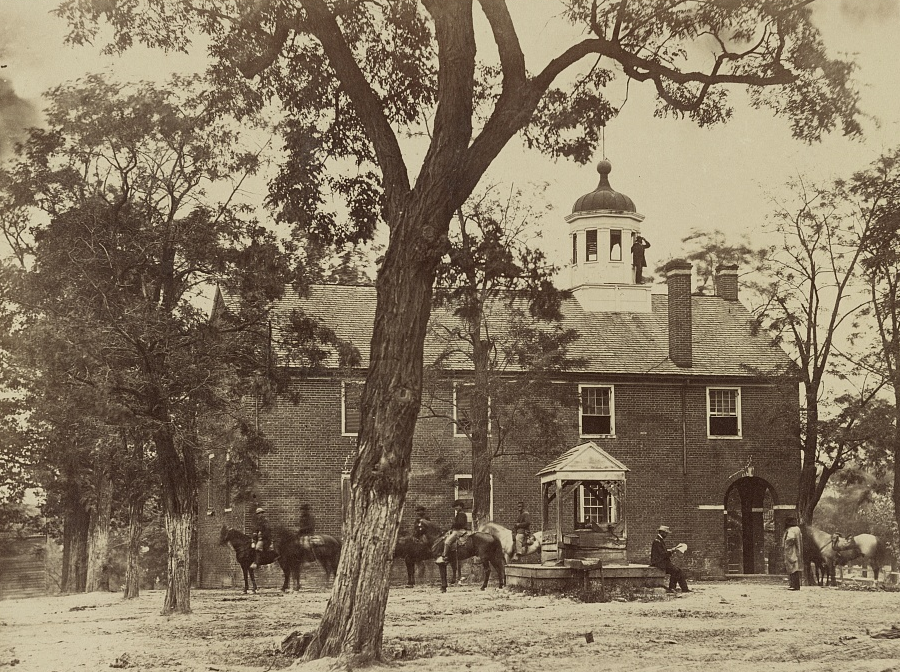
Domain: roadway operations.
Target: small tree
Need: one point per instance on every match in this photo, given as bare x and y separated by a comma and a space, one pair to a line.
810, 305
505, 329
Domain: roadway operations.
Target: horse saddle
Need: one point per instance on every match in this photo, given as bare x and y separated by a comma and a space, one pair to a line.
313, 540
460, 540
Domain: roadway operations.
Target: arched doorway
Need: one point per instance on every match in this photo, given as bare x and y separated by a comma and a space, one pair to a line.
750, 543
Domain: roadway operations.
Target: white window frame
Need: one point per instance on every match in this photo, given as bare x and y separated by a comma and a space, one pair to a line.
344, 383
612, 410
456, 479
227, 484
740, 424
611, 506
456, 430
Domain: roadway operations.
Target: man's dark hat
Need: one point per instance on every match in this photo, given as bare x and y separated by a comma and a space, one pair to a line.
459, 502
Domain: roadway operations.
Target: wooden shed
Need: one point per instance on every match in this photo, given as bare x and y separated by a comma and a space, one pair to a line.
583, 506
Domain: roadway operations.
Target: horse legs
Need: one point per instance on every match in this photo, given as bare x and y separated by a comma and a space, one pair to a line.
486, 570
410, 572
252, 579
244, 569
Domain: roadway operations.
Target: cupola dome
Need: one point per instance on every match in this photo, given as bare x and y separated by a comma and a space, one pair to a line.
604, 197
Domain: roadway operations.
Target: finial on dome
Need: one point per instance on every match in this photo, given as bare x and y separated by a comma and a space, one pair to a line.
604, 197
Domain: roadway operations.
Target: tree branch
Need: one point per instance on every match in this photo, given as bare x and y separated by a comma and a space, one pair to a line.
370, 109
455, 35
512, 59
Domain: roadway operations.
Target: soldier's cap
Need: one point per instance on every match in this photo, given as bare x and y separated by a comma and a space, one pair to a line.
663, 528
420, 508
459, 502
260, 510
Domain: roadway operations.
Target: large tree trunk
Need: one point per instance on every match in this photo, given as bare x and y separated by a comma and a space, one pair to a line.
352, 625
98, 548
179, 528
75, 542
137, 497
133, 554
178, 472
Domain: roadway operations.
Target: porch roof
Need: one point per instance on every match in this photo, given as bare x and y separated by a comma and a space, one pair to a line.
585, 462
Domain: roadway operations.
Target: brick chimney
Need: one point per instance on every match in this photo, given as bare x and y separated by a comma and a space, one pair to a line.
678, 278
727, 281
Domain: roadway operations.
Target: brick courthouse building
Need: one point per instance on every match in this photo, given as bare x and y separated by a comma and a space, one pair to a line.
679, 388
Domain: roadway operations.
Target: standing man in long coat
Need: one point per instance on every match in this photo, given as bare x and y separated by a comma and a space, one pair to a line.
793, 550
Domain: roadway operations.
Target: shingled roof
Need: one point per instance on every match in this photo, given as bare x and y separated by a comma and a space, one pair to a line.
724, 342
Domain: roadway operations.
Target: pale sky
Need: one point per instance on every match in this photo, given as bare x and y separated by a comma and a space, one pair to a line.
678, 175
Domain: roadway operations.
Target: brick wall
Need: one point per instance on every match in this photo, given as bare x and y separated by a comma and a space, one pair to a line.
661, 436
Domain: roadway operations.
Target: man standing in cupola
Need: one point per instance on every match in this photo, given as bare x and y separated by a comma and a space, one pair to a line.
637, 257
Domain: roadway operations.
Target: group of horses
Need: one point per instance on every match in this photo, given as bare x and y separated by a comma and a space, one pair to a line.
824, 551
493, 545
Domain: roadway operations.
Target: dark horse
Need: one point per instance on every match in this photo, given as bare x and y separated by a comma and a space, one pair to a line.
480, 544
245, 555
289, 549
414, 550
321, 548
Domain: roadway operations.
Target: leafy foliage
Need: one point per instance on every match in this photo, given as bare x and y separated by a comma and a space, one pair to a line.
504, 333
707, 250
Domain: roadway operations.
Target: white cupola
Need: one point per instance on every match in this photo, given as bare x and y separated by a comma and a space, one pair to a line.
602, 229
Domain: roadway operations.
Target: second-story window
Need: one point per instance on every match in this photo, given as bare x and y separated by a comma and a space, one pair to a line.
462, 409
723, 412
351, 396
590, 249
596, 410
463, 396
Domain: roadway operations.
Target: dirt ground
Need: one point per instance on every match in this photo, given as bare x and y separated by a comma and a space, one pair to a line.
720, 626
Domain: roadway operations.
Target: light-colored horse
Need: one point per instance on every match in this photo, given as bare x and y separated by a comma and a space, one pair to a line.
507, 542
867, 549
824, 550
